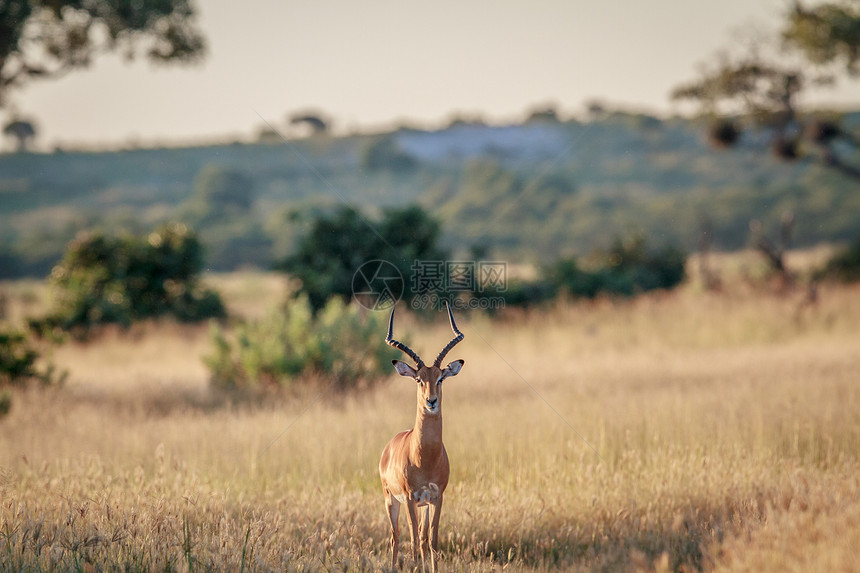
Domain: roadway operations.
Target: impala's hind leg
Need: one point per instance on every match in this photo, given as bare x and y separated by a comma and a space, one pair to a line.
393, 511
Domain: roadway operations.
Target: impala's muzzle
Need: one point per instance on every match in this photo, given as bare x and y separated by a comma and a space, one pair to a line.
432, 404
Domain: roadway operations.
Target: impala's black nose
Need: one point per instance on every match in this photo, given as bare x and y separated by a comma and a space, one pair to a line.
432, 402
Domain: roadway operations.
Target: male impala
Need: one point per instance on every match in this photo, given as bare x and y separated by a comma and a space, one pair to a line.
414, 465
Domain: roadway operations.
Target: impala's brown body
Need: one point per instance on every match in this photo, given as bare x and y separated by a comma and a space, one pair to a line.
414, 465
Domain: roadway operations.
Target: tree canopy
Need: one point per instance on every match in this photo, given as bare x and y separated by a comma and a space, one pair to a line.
46, 38
315, 121
762, 85
826, 34
119, 280
337, 245
22, 131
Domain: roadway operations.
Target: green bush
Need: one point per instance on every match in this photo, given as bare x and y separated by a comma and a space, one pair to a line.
628, 268
105, 280
340, 345
844, 266
17, 359
18, 367
521, 293
337, 245
5, 402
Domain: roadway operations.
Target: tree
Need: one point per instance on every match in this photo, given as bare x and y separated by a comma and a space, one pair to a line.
596, 109
315, 122
119, 280
774, 252
47, 38
338, 245
221, 207
220, 193
21, 131
826, 34
383, 153
762, 85
546, 113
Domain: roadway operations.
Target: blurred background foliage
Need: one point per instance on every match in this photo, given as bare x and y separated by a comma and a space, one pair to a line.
46, 39
250, 204
607, 204
119, 280
337, 245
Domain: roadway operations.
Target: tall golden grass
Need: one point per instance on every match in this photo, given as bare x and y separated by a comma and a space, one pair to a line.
685, 431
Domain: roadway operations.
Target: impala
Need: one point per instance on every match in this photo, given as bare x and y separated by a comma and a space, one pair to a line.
414, 465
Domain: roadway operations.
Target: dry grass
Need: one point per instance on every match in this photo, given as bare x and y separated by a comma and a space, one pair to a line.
677, 432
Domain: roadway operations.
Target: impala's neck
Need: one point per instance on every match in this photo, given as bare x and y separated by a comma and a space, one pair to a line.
427, 435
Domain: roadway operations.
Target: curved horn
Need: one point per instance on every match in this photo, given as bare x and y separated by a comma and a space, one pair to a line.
399, 345
454, 340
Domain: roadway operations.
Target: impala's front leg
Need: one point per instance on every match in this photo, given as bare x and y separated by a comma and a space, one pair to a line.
436, 511
424, 527
412, 512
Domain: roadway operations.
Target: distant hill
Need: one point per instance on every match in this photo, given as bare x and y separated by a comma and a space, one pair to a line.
522, 192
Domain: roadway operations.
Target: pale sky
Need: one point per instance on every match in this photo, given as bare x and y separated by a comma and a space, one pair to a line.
376, 63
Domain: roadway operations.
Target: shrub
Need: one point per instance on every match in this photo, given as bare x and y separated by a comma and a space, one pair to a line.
5, 402
844, 266
337, 245
628, 268
566, 275
18, 367
339, 344
17, 359
518, 293
104, 280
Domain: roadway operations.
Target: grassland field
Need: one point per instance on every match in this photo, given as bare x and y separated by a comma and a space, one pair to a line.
684, 431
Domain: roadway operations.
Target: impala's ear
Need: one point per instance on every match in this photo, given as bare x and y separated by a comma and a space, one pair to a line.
453, 369
404, 369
